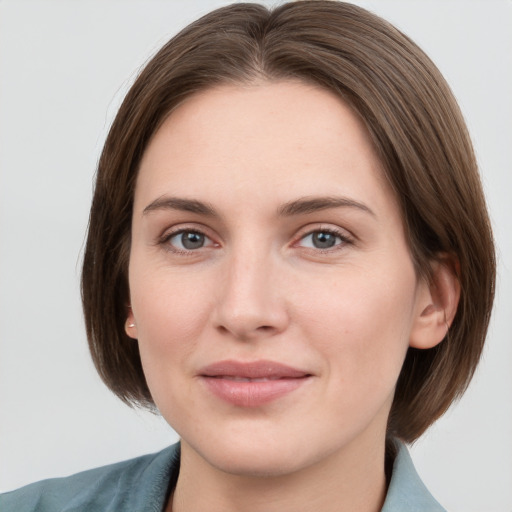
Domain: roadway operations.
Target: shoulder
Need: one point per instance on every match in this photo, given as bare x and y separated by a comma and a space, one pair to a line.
406, 492
118, 487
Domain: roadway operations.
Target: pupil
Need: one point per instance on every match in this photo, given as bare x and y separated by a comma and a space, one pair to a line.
323, 240
192, 240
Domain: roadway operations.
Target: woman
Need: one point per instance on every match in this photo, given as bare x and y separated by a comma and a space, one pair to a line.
289, 255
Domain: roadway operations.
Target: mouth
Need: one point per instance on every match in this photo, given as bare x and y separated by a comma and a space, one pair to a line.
246, 379
252, 384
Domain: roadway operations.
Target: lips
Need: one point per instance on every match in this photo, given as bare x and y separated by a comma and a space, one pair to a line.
252, 384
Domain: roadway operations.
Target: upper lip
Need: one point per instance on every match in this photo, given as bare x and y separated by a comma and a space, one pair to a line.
261, 369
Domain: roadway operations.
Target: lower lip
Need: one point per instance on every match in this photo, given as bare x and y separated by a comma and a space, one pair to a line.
251, 393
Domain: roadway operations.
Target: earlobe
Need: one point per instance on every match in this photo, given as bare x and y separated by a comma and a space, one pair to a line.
130, 326
437, 305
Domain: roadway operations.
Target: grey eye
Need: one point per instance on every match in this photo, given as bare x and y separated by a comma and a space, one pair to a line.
321, 240
188, 240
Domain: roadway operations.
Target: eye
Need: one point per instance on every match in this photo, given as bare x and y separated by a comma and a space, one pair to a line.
188, 240
322, 239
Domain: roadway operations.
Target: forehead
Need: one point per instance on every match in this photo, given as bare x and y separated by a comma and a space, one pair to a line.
271, 139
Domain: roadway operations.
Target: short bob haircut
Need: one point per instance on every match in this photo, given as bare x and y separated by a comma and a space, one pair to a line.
417, 130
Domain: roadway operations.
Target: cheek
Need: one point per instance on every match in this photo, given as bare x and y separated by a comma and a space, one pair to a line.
171, 313
361, 323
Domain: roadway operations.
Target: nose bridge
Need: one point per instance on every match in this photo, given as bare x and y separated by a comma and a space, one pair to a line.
251, 302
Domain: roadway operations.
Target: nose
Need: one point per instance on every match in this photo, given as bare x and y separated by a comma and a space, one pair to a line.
252, 301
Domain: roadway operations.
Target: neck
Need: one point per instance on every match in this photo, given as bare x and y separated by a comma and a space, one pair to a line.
352, 479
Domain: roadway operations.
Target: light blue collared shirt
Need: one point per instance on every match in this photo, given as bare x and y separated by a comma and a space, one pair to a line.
406, 491
142, 485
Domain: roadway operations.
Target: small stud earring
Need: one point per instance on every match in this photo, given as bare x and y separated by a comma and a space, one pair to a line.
131, 325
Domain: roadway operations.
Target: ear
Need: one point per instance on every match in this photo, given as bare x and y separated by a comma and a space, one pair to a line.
437, 304
130, 326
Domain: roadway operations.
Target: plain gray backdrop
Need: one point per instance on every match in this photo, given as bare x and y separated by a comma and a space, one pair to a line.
64, 68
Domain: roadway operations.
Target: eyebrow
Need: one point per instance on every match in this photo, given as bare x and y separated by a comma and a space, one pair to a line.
178, 203
299, 206
306, 205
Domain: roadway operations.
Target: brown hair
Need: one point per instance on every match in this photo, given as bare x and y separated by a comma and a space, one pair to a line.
416, 127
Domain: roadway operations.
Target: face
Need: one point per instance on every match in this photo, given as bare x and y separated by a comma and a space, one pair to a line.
272, 290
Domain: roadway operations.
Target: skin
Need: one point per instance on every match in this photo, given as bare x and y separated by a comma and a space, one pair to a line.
259, 288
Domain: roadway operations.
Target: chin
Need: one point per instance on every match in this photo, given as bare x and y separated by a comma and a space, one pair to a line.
250, 464
253, 456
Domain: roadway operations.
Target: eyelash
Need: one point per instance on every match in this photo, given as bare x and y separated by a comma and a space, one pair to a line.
165, 239
341, 236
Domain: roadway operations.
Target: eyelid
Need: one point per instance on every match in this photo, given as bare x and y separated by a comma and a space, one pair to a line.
345, 236
169, 233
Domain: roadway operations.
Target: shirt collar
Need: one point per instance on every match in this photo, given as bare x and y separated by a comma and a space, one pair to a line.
406, 491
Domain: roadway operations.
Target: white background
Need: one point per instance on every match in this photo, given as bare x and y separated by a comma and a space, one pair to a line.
64, 67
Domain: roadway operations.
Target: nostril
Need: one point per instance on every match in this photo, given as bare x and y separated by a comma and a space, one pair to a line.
246, 334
